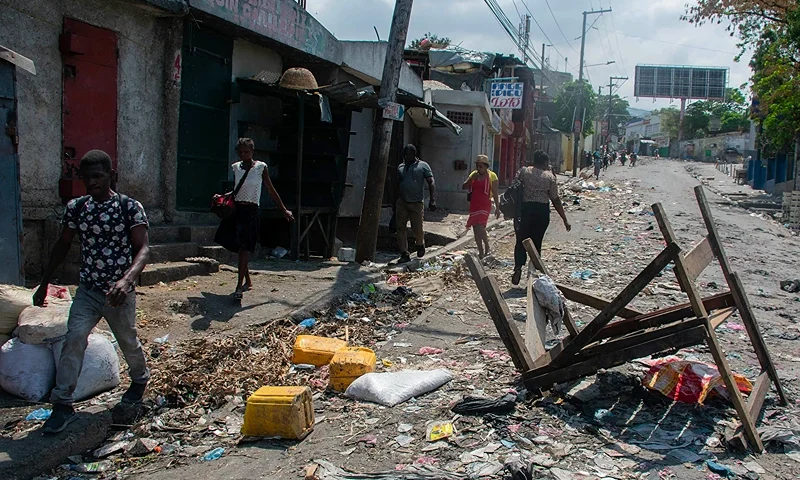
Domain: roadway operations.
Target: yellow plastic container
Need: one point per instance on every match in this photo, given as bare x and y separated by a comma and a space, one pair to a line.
317, 351
349, 364
285, 412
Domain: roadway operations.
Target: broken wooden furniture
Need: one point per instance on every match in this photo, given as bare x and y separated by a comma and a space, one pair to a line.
604, 344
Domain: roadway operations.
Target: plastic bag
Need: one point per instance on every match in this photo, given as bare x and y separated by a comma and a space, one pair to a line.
550, 299
13, 300
481, 405
27, 371
689, 382
393, 388
38, 325
100, 370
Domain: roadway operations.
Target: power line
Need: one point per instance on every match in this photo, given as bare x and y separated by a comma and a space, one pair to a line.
616, 38
542, 30
547, 2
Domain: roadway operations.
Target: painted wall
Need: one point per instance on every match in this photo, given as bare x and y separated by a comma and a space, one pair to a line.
32, 28
365, 60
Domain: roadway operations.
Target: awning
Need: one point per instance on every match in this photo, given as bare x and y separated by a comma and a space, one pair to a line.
440, 120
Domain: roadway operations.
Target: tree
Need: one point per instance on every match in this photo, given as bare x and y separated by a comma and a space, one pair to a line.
567, 100
617, 114
435, 42
670, 120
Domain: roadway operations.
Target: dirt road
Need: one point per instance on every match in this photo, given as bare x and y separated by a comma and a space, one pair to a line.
623, 430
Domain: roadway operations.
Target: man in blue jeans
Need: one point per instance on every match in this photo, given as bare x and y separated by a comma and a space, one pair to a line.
112, 229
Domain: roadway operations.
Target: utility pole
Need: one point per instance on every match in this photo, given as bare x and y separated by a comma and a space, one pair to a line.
524, 38
543, 45
367, 239
608, 113
576, 132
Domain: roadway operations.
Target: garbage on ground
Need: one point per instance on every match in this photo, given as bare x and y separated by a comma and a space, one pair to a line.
430, 351
790, 286
582, 274
720, 469
278, 252
393, 388
100, 370
27, 371
284, 412
481, 405
94, 467
324, 470
689, 381
214, 454
349, 364
340, 315
307, 323
438, 430
39, 415
550, 298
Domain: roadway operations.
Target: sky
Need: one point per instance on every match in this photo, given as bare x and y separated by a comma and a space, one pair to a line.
635, 32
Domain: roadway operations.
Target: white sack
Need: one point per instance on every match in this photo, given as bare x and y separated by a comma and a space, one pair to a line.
100, 370
13, 300
549, 297
396, 387
38, 325
27, 371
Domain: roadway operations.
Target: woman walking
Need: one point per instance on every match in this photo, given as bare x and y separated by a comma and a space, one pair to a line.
539, 188
239, 232
482, 186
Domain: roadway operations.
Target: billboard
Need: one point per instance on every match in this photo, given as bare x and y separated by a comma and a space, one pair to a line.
675, 81
507, 95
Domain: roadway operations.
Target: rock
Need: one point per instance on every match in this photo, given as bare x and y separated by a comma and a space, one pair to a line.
110, 449
141, 447
347, 255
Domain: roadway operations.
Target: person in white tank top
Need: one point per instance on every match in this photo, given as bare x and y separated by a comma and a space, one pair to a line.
239, 232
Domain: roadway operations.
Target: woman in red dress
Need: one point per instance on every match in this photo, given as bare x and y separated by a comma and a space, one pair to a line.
482, 185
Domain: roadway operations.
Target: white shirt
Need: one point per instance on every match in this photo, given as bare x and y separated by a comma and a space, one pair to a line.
251, 189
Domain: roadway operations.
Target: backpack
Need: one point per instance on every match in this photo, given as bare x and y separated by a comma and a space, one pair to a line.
123, 202
510, 200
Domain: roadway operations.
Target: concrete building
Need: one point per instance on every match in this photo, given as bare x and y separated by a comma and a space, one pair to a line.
645, 135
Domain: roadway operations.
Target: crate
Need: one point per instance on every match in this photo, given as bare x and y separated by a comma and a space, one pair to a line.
285, 412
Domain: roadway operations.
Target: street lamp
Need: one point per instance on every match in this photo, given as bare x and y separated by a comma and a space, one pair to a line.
600, 64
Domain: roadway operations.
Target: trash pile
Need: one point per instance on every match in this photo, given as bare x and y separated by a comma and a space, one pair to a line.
29, 360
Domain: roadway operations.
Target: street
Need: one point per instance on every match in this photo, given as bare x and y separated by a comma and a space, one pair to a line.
643, 436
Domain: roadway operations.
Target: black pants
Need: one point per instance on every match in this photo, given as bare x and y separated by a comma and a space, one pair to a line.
533, 225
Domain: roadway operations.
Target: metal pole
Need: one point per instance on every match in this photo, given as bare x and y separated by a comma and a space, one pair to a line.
367, 239
543, 56
298, 222
680, 123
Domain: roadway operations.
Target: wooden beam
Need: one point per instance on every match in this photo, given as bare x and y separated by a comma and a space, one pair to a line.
717, 317
713, 236
590, 366
621, 301
699, 258
501, 316
755, 402
637, 338
595, 302
538, 264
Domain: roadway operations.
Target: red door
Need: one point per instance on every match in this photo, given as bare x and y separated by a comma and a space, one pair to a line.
89, 104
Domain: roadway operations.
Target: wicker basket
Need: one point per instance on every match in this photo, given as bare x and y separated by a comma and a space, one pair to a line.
298, 79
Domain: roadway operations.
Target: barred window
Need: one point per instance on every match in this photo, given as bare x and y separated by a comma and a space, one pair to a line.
461, 118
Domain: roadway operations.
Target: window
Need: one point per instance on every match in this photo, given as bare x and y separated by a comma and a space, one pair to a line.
461, 118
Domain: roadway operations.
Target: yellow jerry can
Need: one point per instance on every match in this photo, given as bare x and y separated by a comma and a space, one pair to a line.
285, 412
317, 351
349, 364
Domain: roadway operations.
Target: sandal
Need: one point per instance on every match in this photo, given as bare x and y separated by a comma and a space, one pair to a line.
237, 295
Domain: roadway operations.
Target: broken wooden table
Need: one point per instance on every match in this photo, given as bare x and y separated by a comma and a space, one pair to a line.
604, 343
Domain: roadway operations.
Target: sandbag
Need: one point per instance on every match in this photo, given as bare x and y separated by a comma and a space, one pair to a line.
393, 388
13, 300
38, 325
27, 371
100, 370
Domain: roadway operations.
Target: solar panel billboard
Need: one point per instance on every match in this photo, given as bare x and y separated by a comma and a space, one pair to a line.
675, 81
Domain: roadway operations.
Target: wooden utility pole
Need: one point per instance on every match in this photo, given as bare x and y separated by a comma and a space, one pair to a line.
578, 132
367, 239
610, 105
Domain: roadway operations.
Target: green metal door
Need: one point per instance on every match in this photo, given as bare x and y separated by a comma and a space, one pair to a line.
204, 117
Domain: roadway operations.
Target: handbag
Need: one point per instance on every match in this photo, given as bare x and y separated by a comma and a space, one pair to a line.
224, 205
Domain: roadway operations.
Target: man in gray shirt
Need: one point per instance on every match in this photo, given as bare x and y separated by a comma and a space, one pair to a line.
413, 174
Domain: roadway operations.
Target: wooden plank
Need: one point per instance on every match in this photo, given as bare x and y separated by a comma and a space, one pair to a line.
717, 317
713, 236
504, 324
535, 324
698, 258
637, 338
621, 301
664, 316
539, 265
755, 402
590, 366
751, 325
595, 302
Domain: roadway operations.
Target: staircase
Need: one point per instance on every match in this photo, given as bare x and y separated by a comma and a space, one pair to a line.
170, 245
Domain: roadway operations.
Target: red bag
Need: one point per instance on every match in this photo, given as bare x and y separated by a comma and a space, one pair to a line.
224, 205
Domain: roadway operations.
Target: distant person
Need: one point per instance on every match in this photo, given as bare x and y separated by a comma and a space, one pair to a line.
240, 232
598, 166
539, 188
658, 155
606, 161
482, 185
112, 230
634, 157
623, 157
413, 174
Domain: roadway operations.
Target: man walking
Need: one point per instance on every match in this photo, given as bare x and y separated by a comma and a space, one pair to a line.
413, 174
112, 229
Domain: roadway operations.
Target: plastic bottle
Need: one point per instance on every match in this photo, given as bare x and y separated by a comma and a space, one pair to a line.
215, 454
94, 467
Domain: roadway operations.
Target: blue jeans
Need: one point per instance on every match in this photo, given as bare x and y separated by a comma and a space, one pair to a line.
87, 309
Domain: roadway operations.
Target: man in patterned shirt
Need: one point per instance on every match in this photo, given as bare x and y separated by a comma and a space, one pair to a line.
112, 229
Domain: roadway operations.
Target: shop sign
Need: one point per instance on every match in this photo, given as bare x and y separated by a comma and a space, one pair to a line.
394, 111
507, 95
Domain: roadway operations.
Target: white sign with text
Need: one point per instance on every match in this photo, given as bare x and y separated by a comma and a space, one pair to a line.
506, 95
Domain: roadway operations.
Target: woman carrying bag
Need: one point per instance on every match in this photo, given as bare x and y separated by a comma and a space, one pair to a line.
239, 231
482, 186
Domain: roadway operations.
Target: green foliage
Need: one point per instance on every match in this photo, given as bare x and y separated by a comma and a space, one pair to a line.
617, 114
436, 41
670, 120
732, 113
567, 100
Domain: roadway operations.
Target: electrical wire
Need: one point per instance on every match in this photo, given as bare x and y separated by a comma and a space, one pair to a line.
547, 2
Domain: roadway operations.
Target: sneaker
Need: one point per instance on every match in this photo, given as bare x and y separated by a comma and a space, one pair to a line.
516, 276
421, 251
404, 258
62, 416
135, 393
